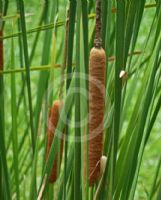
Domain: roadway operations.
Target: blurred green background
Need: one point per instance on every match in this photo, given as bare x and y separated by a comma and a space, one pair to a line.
33, 11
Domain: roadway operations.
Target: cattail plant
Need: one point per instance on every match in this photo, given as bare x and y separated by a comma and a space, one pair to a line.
52, 124
97, 63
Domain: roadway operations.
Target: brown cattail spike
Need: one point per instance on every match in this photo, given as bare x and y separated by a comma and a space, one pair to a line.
52, 124
97, 65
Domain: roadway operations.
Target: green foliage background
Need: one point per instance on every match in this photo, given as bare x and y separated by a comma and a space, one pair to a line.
25, 169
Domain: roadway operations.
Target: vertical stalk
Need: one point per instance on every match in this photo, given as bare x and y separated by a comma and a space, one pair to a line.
85, 69
98, 38
77, 152
63, 66
61, 96
38, 33
72, 13
14, 124
85, 35
104, 21
5, 11
27, 65
120, 23
3, 160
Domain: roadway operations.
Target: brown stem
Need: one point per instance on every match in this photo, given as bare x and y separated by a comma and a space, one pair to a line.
98, 40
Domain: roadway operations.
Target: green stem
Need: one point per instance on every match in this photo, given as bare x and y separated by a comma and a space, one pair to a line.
77, 152
27, 65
